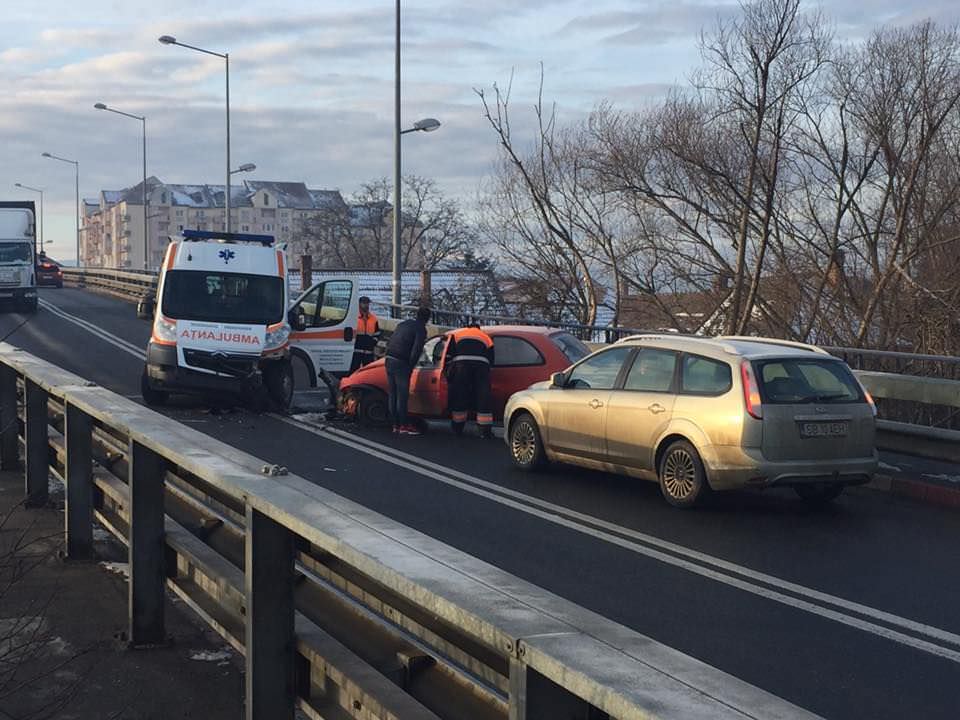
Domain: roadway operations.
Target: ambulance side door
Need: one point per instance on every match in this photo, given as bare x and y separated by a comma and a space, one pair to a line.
329, 310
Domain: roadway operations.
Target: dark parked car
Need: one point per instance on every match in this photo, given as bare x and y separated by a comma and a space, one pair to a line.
49, 273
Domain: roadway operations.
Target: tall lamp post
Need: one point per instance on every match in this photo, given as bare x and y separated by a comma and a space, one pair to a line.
36, 190
142, 119
246, 167
425, 125
169, 40
76, 168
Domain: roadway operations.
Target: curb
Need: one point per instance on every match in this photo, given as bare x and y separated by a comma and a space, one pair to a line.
929, 493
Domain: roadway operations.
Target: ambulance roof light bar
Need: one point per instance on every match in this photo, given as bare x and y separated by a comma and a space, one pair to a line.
197, 235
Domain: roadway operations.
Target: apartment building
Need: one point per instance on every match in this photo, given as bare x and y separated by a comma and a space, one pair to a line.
112, 231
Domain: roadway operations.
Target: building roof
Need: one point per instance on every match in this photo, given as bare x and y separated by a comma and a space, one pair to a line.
284, 194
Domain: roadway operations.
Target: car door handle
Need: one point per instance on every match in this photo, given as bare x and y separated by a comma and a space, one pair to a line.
596, 404
656, 408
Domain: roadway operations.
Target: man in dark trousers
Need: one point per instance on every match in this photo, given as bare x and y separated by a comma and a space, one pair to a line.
368, 331
469, 359
403, 352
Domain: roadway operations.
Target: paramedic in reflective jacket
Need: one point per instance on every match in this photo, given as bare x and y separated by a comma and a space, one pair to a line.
469, 359
367, 334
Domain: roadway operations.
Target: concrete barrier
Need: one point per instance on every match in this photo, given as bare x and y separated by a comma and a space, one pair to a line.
315, 589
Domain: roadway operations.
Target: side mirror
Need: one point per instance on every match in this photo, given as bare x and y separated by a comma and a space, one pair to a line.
558, 379
297, 319
348, 334
145, 307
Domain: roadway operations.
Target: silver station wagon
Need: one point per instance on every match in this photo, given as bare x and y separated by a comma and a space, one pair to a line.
703, 414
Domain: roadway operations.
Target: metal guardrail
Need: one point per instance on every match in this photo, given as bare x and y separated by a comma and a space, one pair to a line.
339, 611
127, 284
899, 392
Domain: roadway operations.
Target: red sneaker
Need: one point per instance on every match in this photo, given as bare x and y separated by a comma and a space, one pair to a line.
410, 430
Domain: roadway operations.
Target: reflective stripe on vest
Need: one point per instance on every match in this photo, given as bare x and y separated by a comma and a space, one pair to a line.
473, 358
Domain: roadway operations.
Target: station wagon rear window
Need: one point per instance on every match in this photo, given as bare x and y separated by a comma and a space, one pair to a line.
213, 296
800, 381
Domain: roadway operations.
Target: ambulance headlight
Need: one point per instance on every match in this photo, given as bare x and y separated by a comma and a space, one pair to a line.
164, 330
277, 337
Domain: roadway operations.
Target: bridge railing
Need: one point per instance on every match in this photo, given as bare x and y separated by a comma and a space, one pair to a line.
338, 611
127, 284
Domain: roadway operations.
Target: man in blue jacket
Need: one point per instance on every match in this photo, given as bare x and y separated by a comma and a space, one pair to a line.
403, 352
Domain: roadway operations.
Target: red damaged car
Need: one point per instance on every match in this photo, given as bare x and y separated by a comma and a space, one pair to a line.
524, 355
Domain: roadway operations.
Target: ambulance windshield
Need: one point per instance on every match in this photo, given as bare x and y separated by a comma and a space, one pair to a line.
214, 296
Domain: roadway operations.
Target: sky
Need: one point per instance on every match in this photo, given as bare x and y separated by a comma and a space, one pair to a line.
311, 84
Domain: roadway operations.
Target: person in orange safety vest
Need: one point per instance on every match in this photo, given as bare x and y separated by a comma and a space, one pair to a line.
367, 334
469, 360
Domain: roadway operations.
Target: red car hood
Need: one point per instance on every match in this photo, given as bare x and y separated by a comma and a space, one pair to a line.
365, 375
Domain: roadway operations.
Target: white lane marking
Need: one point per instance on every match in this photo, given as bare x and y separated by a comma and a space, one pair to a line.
614, 534
726, 565
104, 335
560, 515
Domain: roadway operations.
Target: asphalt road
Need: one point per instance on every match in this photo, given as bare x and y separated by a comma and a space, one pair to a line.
852, 612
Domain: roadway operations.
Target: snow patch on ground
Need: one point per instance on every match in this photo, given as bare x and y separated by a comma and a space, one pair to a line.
117, 567
59, 647
217, 657
54, 485
889, 468
310, 418
945, 478
101, 535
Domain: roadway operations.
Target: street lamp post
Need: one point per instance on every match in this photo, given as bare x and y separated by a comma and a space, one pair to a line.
425, 125
76, 168
142, 119
169, 40
36, 190
246, 167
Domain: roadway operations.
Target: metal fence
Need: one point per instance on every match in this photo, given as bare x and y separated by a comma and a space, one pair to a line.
923, 400
338, 611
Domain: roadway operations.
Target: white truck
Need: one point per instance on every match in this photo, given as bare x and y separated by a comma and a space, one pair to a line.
18, 267
223, 322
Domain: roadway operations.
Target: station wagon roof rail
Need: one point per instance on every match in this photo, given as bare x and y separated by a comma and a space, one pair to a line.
774, 341
715, 342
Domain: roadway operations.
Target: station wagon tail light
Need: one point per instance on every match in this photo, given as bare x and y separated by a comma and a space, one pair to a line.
751, 391
867, 396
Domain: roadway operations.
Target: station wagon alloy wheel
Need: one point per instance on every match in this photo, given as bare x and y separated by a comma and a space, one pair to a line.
679, 474
526, 448
683, 480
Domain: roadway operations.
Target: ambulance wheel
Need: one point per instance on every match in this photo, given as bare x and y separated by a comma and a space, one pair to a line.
279, 381
151, 397
372, 409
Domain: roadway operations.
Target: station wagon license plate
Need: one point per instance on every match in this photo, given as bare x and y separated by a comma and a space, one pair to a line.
824, 429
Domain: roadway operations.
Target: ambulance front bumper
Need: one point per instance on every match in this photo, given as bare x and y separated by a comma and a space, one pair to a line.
237, 375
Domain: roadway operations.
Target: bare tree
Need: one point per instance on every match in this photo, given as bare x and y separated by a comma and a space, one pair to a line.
545, 224
358, 234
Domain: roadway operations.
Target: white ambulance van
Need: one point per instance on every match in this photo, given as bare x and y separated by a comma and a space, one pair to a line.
223, 322
220, 325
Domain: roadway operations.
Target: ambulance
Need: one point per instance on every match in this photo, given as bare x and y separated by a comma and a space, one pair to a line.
223, 322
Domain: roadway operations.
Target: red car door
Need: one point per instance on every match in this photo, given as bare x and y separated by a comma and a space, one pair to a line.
428, 387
